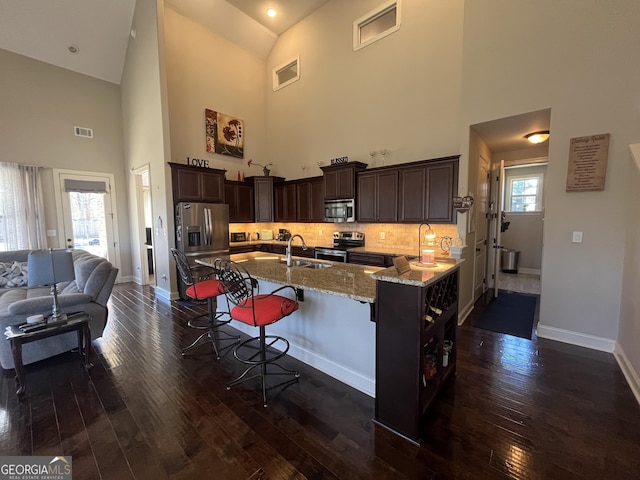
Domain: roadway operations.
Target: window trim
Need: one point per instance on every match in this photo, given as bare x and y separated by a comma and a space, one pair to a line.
276, 79
372, 16
539, 194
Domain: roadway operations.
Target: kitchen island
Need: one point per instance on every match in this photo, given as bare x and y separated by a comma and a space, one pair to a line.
334, 329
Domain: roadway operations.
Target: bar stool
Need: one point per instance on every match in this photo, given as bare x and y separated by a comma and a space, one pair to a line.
209, 290
258, 310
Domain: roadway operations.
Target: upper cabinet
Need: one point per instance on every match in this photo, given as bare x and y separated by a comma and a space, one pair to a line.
197, 184
263, 194
310, 200
378, 196
285, 194
427, 190
239, 197
340, 180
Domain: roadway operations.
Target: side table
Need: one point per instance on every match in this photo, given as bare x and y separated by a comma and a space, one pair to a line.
78, 322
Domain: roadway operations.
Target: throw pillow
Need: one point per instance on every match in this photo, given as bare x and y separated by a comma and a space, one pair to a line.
13, 274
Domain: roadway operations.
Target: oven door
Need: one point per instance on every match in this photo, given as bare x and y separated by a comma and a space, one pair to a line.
331, 255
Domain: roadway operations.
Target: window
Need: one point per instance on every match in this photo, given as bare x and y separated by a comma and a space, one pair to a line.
376, 24
286, 74
524, 193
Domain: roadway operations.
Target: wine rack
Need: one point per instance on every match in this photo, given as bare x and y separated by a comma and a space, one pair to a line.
415, 350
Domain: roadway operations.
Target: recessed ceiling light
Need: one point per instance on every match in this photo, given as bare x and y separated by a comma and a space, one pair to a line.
271, 12
73, 49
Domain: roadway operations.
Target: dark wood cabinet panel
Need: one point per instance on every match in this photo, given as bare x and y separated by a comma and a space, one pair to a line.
414, 371
441, 187
285, 195
264, 197
197, 184
239, 197
340, 180
427, 190
309, 200
412, 194
233, 249
378, 196
364, 258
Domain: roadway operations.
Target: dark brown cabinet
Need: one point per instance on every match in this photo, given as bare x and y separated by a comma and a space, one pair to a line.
410, 373
340, 180
373, 259
197, 184
427, 190
310, 200
263, 196
239, 197
378, 196
285, 194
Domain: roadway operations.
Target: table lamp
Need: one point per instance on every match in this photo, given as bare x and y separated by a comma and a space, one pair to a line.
50, 267
427, 246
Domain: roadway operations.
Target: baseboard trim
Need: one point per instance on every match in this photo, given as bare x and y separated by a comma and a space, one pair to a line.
163, 294
339, 372
628, 371
576, 338
462, 315
530, 271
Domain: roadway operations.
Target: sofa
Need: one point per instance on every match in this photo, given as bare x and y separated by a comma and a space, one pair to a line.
88, 293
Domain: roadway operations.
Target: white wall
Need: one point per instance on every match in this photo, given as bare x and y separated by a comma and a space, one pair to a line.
41, 104
585, 76
401, 93
146, 138
206, 71
628, 351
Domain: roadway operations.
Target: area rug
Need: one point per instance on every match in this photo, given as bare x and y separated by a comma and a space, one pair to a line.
510, 313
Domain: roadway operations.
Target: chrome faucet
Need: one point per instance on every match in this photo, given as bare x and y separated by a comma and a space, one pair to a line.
288, 251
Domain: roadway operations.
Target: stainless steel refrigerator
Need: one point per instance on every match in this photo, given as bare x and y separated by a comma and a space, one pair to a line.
202, 230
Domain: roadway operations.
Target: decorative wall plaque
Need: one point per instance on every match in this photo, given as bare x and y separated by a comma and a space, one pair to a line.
588, 163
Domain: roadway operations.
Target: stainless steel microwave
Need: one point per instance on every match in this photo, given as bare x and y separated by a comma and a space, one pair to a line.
340, 210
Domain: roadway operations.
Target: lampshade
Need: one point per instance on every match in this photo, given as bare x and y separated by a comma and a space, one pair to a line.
48, 267
538, 137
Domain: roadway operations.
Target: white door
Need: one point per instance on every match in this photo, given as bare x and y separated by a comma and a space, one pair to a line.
495, 234
85, 207
482, 207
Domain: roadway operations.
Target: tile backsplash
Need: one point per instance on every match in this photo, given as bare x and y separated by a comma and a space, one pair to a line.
385, 235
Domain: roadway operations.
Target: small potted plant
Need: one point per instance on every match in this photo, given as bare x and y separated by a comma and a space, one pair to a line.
265, 168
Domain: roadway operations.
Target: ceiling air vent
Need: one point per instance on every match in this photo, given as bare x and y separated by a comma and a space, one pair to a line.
83, 132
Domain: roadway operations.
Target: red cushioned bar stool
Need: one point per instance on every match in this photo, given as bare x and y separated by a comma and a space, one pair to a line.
258, 310
205, 290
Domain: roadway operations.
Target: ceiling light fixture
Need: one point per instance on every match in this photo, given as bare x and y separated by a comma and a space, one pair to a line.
271, 12
538, 137
73, 49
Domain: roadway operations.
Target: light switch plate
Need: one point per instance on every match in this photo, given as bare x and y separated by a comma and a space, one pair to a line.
577, 237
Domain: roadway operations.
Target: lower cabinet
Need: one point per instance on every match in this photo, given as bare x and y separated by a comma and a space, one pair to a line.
410, 373
373, 259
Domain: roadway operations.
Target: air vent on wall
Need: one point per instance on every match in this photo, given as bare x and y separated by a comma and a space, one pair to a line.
83, 132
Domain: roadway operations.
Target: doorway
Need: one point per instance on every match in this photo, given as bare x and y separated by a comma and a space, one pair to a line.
86, 211
144, 227
502, 144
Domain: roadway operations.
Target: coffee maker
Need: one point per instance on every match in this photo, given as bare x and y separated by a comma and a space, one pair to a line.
283, 234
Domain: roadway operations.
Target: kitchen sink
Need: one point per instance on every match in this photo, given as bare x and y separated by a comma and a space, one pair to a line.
308, 264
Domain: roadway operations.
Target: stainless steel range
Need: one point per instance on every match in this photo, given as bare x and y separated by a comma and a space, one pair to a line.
342, 242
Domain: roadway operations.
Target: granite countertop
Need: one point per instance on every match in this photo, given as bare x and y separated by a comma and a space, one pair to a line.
342, 279
419, 275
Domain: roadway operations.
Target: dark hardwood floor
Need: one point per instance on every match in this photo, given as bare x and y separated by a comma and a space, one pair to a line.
517, 409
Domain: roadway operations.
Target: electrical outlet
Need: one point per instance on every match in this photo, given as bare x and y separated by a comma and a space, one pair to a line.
319, 231
577, 237
383, 235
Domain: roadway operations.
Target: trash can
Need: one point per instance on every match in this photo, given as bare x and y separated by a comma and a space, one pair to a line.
509, 260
